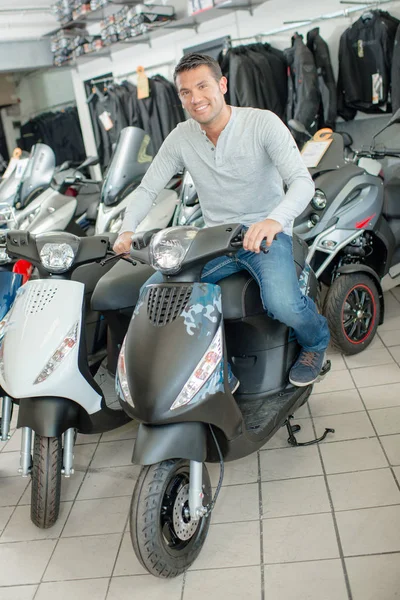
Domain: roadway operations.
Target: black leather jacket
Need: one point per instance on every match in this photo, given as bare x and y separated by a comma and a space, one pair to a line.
303, 91
366, 50
326, 78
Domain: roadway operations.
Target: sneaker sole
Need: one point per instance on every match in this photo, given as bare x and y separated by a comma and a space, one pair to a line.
304, 384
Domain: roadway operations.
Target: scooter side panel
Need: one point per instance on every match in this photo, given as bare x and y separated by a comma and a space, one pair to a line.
56, 212
43, 313
161, 212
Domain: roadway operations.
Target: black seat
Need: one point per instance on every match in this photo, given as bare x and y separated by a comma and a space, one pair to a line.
119, 288
241, 293
391, 191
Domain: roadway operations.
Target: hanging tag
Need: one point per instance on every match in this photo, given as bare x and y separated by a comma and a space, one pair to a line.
377, 88
106, 120
360, 48
143, 89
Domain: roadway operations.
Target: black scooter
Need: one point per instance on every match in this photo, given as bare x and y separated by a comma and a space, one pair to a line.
172, 378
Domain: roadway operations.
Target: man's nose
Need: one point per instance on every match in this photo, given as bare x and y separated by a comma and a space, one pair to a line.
196, 97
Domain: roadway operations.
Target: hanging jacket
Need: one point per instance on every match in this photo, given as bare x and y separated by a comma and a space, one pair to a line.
256, 77
396, 72
365, 62
303, 91
326, 78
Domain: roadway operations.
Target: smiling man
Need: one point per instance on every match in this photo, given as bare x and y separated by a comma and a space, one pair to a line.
238, 159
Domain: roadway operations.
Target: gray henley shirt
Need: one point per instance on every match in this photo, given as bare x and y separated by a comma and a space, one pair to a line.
239, 180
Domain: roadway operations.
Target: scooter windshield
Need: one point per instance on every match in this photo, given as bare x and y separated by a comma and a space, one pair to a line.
38, 174
129, 163
333, 158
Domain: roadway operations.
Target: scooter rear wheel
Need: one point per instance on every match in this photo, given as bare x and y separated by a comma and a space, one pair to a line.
46, 480
352, 307
165, 539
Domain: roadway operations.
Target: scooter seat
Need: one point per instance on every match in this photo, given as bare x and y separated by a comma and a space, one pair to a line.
241, 293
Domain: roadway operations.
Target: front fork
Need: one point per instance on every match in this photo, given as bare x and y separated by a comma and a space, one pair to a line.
26, 442
196, 495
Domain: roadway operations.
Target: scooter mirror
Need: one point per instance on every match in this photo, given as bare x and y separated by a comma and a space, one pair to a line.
395, 118
91, 161
347, 139
299, 127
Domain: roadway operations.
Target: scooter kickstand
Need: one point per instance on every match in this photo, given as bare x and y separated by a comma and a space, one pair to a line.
292, 429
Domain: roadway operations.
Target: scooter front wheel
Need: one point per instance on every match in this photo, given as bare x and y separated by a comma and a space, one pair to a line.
165, 538
46, 480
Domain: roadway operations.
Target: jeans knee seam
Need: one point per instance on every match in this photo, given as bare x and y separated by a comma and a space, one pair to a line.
227, 262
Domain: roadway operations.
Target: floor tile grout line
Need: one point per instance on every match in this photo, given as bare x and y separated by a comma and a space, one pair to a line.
183, 584
379, 440
66, 520
117, 554
261, 513
336, 527
15, 508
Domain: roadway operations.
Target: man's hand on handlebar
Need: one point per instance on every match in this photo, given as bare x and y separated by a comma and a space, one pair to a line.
267, 230
123, 242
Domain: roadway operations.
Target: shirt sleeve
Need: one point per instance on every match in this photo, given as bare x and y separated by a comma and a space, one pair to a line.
166, 163
284, 154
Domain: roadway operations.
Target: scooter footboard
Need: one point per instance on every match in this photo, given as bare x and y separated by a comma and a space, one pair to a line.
49, 417
156, 443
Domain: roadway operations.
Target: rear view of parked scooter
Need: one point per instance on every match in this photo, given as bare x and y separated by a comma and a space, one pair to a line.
130, 160
352, 227
62, 389
173, 378
58, 200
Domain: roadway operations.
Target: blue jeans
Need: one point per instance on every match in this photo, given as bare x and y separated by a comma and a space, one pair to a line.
275, 273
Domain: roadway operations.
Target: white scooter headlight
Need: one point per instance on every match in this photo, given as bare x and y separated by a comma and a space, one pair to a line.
57, 258
62, 351
122, 386
202, 372
169, 247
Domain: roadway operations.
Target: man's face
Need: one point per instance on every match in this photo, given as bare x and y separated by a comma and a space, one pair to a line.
201, 95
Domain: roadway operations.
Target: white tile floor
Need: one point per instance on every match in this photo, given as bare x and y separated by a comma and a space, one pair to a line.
313, 523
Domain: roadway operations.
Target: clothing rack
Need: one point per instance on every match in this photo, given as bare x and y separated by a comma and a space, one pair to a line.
58, 106
290, 25
121, 76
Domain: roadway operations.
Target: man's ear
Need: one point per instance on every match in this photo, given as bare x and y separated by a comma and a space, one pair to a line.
223, 85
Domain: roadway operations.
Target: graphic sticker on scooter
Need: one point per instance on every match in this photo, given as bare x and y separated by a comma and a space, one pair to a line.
303, 280
214, 385
205, 303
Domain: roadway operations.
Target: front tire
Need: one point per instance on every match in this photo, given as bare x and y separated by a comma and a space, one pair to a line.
166, 540
352, 308
46, 480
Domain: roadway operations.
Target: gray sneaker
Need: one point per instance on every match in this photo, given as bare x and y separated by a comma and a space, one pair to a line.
307, 368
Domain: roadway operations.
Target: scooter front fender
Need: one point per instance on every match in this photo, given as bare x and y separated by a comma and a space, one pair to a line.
49, 417
156, 443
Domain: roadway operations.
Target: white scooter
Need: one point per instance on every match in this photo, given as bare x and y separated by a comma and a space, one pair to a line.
58, 390
50, 200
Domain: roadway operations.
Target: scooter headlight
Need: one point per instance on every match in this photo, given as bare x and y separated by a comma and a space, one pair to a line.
319, 201
121, 383
62, 351
169, 247
202, 372
57, 258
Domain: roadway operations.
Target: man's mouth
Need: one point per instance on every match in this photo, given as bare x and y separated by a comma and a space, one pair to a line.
201, 108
